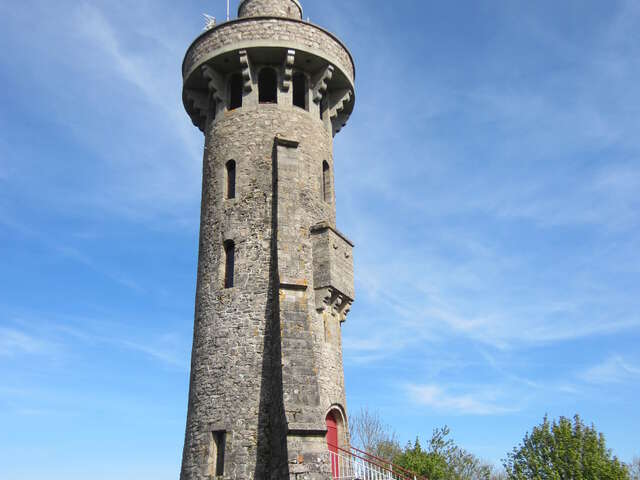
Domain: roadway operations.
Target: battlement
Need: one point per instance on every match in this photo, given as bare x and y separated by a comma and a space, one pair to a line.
309, 68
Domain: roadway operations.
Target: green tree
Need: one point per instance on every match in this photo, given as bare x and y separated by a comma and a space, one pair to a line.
564, 450
442, 459
635, 469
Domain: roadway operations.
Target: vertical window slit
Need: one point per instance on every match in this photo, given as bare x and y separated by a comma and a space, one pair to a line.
229, 263
326, 182
231, 179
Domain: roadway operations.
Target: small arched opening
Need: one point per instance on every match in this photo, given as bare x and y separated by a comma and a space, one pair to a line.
229, 263
268, 86
235, 91
300, 90
230, 170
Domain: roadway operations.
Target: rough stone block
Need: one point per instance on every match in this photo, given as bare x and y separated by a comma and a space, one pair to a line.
332, 260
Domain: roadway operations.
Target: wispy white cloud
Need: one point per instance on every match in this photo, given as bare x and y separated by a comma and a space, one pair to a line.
169, 349
68, 252
127, 75
14, 342
166, 348
423, 298
60, 339
615, 369
87, 261
482, 401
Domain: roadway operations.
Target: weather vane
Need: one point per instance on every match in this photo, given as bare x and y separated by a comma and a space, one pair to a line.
210, 21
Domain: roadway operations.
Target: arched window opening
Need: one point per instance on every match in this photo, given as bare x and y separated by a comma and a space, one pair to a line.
231, 179
229, 263
321, 107
326, 182
300, 90
235, 91
268, 86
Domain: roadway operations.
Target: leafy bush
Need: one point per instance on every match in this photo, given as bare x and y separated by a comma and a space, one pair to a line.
442, 459
564, 449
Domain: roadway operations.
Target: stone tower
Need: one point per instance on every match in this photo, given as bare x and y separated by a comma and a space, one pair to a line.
275, 277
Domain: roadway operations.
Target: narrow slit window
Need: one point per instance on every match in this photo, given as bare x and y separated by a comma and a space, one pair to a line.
216, 454
235, 91
268, 86
231, 179
229, 263
326, 182
300, 90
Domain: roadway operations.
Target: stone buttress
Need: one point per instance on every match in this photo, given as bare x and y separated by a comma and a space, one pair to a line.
275, 276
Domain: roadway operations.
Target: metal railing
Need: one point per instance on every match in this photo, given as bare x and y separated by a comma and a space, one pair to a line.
354, 464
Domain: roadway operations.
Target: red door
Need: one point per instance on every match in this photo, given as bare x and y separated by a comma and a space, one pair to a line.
332, 443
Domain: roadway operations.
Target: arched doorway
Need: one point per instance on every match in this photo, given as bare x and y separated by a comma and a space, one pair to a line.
332, 443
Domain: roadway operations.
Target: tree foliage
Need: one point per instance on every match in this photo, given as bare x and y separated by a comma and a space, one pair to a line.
442, 459
564, 450
634, 468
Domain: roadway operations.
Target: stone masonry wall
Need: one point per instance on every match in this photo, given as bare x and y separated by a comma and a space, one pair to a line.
273, 8
298, 34
243, 335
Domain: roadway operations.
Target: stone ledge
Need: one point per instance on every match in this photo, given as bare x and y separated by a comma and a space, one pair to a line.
306, 429
294, 284
283, 142
322, 226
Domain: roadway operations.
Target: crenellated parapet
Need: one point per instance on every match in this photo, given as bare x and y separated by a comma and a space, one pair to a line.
292, 47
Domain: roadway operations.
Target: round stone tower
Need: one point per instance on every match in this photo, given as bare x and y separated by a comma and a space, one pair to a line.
275, 277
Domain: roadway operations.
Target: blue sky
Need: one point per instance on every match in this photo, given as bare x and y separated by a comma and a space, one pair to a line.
489, 177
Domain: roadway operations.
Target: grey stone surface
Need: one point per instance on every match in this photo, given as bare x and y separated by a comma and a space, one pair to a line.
271, 8
267, 356
291, 33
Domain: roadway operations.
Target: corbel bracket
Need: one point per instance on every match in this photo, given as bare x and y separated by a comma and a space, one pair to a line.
215, 83
320, 82
338, 101
246, 71
332, 301
198, 103
287, 69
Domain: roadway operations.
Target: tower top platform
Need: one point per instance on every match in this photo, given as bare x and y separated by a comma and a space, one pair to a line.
270, 8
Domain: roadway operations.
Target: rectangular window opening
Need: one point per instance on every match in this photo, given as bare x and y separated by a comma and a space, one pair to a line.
216, 453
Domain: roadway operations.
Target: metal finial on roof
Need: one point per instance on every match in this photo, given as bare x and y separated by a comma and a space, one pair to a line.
210, 21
